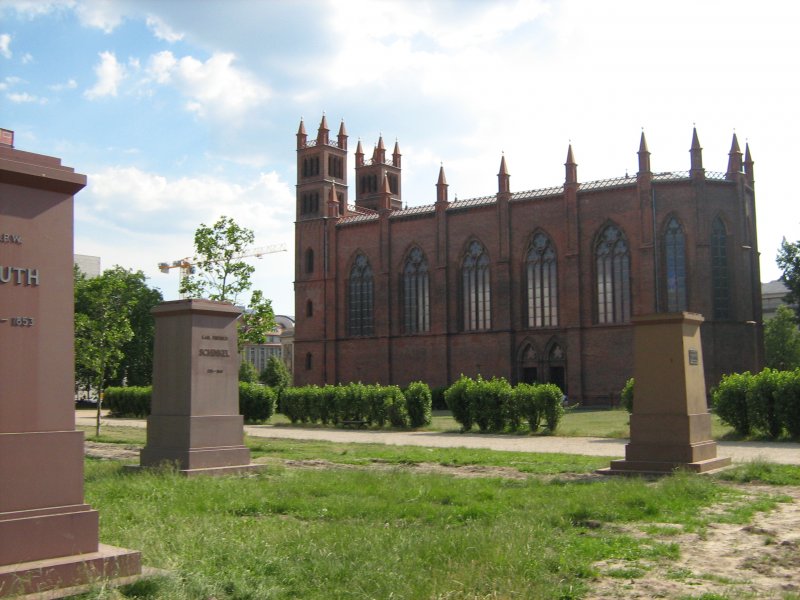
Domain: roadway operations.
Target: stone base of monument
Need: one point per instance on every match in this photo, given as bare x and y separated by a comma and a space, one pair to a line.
670, 424
195, 425
67, 576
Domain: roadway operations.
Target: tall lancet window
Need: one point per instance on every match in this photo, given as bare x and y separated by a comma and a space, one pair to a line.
416, 293
613, 277
360, 298
720, 274
477, 295
542, 283
675, 263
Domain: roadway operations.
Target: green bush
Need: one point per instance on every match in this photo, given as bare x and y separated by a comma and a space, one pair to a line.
275, 374
256, 402
418, 404
549, 397
761, 406
247, 372
326, 399
487, 400
528, 407
292, 403
437, 398
396, 405
787, 402
730, 401
626, 395
131, 401
458, 403
375, 402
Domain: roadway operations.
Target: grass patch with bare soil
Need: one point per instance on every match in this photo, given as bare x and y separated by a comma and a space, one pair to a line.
330, 520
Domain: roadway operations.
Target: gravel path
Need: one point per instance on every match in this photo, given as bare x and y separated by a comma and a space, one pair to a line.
785, 453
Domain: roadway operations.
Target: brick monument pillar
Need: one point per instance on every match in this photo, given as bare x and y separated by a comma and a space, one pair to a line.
670, 423
194, 419
48, 535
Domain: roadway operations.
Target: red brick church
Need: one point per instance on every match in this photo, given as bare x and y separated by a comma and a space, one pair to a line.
536, 285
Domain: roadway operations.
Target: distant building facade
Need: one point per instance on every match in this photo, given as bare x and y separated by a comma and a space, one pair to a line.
536, 285
89, 265
773, 295
259, 354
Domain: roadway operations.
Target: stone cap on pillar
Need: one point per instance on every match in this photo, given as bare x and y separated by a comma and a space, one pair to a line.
194, 305
659, 318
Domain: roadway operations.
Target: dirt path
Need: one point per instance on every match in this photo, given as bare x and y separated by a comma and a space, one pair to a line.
777, 452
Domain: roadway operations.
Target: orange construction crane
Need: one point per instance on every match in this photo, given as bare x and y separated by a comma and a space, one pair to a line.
187, 267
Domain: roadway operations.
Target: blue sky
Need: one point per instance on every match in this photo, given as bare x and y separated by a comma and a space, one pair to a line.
181, 111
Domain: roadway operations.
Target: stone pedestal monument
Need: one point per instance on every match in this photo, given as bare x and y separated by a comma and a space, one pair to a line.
670, 423
194, 420
48, 535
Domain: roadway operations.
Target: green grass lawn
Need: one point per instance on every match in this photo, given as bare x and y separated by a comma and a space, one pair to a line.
577, 422
366, 533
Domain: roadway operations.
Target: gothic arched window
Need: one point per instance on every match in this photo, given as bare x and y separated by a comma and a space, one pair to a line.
309, 261
613, 276
720, 275
416, 293
476, 290
542, 283
360, 298
675, 263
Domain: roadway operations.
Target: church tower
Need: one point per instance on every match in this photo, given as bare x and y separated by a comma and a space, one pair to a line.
370, 175
321, 173
321, 200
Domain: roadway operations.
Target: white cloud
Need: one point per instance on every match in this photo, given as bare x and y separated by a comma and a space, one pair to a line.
101, 14
37, 8
137, 219
25, 98
160, 66
214, 88
5, 45
163, 31
70, 84
109, 75
27, 58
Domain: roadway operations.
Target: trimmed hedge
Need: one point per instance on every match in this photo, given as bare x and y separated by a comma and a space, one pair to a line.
626, 395
767, 403
373, 404
256, 402
419, 402
495, 405
132, 401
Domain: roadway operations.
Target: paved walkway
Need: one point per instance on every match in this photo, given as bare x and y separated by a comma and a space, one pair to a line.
783, 452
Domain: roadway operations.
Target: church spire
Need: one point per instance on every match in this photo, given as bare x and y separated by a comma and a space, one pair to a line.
396, 154
359, 155
323, 131
342, 137
644, 156
748, 165
571, 167
441, 187
696, 153
734, 159
503, 178
301, 135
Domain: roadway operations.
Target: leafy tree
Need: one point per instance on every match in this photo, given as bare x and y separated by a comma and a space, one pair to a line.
136, 368
788, 260
102, 327
222, 275
275, 374
247, 372
782, 340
